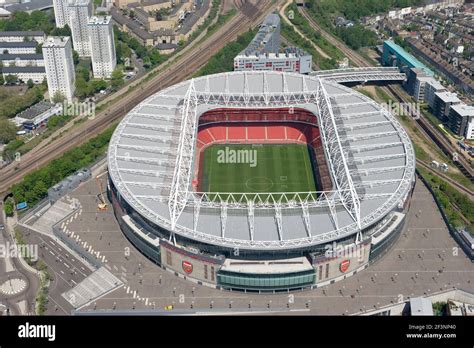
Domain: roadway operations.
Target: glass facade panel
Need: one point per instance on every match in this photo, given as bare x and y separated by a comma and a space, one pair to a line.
265, 281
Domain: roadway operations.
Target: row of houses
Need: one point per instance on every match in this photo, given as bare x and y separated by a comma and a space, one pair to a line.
19, 57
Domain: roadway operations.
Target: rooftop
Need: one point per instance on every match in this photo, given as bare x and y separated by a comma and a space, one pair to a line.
421, 306
35, 110
99, 20
79, 2
298, 264
21, 33
56, 41
23, 69
463, 110
18, 44
412, 61
21, 56
448, 97
30, 6
436, 84
266, 30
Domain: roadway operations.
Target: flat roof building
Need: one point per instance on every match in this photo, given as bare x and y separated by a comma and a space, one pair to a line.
19, 36
267, 39
57, 52
37, 74
395, 55
79, 13
461, 120
101, 36
263, 52
432, 86
23, 47
21, 60
442, 103
37, 115
61, 15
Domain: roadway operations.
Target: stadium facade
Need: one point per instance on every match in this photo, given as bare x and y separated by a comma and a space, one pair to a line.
363, 164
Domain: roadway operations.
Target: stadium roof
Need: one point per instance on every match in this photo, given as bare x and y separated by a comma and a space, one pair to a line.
370, 157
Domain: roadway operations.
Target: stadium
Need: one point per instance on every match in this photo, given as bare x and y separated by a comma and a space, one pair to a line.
261, 180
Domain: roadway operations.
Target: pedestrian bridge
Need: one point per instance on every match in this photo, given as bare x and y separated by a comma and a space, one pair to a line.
362, 75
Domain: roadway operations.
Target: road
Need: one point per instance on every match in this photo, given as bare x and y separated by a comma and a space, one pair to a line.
66, 270
11, 268
248, 16
400, 95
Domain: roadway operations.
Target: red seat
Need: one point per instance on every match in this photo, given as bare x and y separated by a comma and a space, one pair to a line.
256, 132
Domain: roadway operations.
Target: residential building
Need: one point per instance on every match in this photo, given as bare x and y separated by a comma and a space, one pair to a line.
20, 36
21, 60
461, 120
395, 55
61, 12
101, 35
24, 47
442, 104
267, 39
37, 74
432, 86
292, 60
263, 52
57, 52
413, 84
79, 13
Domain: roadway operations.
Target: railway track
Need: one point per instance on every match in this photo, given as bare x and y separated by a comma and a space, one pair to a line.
354, 57
462, 164
454, 183
249, 15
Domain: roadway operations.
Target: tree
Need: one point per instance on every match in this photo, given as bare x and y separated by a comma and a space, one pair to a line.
30, 83
83, 89
58, 97
64, 31
11, 79
9, 209
98, 85
7, 131
2, 80
75, 57
83, 72
117, 79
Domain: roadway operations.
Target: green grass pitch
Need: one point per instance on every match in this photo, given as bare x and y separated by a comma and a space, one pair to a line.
252, 168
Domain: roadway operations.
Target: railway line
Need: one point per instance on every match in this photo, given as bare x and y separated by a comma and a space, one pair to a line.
249, 15
462, 164
454, 183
